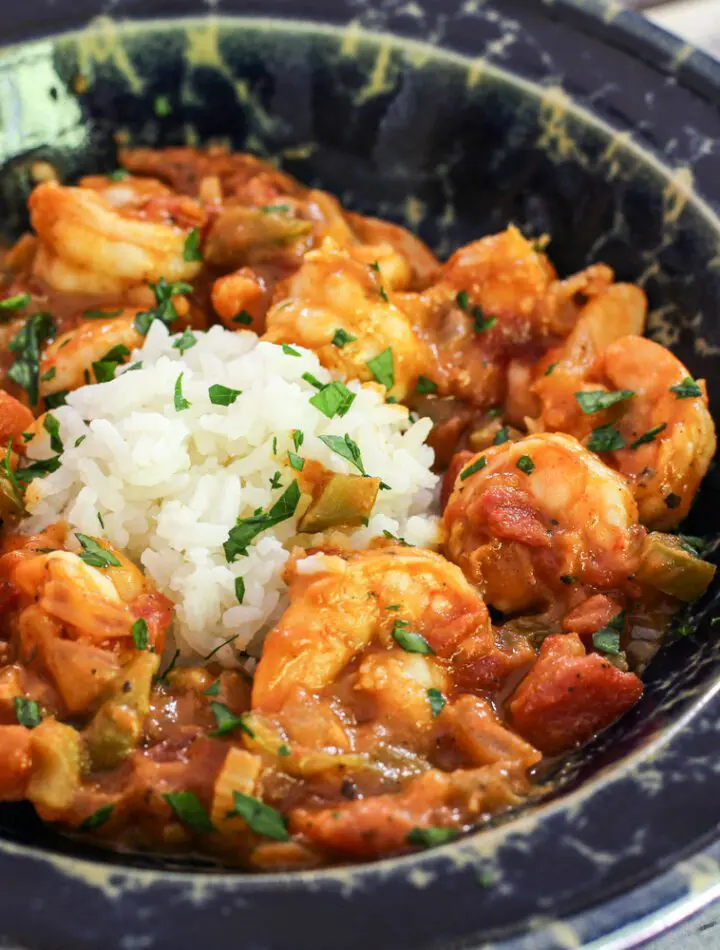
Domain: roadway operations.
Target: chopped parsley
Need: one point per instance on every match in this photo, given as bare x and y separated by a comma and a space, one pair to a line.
38, 469
298, 438
240, 589
393, 537
227, 721
384, 294
139, 632
342, 338
185, 342
525, 464
475, 467
383, 369
191, 250
94, 555
98, 818
259, 817
687, 389
52, 427
437, 701
550, 369
223, 395
101, 314
8, 475
333, 400
649, 436
79, 441
27, 712
101, 521
283, 750
191, 812
346, 448
213, 689
481, 323
597, 400
120, 174
16, 302
163, 677
290, 351
244, 318
162, 106
430, 837
275, 480
605, 439
104, 369
179, 400
425, 385
607, 640
47, 376
275, 209
313, 380
225, 643
25, 371
165, 308
296, 462
53, 400
247, 529
502, 436
409, 641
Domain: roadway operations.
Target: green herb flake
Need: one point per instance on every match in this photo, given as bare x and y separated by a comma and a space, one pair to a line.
16, 302
162, 106
259, 817
333, 400
430, 837
244, 318
462, 299
283, 751
393, 537
549, 370
383, 369
223, 395
384, 294
481, 323
597, 400
502, 436
8, 475
25, 371
240, 589
213, 689
437, 701
163, 677
290, 351
472, 469
649, 436
313, 380
274, 445
220, 646
296, 462
605, 439
179, 400
37, 469
228, 721
185, 342
104, 369
525, 464
191, 812
164, 311
191, 250
47, 376
275, 480
247, 529
98, 818
52, 427
409, 641
94, 554
55, 399
102, 314
275, 209
27, 712
79, 441
298, 438
341, 338
101, 520
120, 174
425, 385
607, 640
140, 634
687, 389
346, 448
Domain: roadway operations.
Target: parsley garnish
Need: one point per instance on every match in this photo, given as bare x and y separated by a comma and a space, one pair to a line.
98, 818
686, 389
649, 436
525, 464
259, 817
162, 106
298, 438
247, 529
550, 368
25, 371
213, 689
104, 369
191, 251
53, 400
475, 467
605, 439
437, 701
38, 469
313, 380
481, 323
52, 427
27, 712
283, 750
243, 317
47, 376
165, 310
275, 480
223, 395
289, 350
607, 640
597, 400
101, 520
101, 314
275, 209
228, 721
225, 643
383, 369
430, 837
191, 812
425, 385
502, 436
333, 400
393, 537
9, 476
346, 448
409, 641
95, 555
139, 632
180, 401
240, 589
296, 462
342, 338
163, 677
16, 302
120, 174
185, 342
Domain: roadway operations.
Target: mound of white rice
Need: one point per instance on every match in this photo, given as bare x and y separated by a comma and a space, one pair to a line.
166, 486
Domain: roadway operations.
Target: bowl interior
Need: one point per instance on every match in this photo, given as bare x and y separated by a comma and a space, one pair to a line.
452, 147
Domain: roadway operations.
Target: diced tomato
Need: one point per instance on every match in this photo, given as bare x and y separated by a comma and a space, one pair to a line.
591, 615
481, 663
569, 695
511, 516
14, 419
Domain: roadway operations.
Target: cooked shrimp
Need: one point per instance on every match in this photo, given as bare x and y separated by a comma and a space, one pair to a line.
67, 363
334, 291
89, 246
663, 433
532, 520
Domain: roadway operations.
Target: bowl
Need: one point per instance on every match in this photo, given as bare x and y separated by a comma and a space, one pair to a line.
573, 118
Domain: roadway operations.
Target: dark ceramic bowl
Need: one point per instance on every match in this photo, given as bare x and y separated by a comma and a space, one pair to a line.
453, 117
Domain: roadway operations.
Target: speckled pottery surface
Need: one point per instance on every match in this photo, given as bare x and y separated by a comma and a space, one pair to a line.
453, 117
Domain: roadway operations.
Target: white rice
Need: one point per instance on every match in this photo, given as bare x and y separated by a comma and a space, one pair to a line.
169, 485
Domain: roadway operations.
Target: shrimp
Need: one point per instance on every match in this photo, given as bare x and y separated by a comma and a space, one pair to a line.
663, 437
534, 520
338, 306
86, 245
